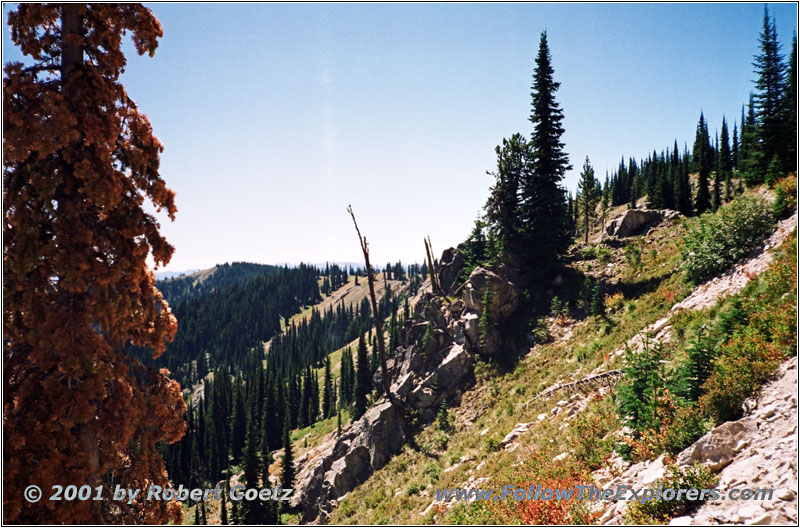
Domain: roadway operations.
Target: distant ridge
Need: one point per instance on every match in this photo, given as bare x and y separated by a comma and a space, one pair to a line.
161, 275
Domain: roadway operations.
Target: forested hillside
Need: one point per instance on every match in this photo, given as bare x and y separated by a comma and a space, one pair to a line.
249, 401
175, 289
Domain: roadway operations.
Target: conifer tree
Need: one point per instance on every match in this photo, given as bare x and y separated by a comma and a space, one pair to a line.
751, 155
544, 231
327, 391
305, 401
313, 411
790, 104
770, 90
682, 188
605, 202
252, 509
79, 163
702, 161
502, 208
716, 187
725, 161
345, 386
266, 452
238, 421
363, 382
587, 199
223, 515
287, 466
773, 171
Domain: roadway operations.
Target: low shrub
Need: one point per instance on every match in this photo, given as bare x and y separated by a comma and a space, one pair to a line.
785, 197
590, 436
540, 469
588, 253
686, 427
718, 240
744, 364
614, 301
661, 511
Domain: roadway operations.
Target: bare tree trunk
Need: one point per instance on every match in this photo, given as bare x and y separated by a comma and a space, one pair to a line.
378, 326
437, 290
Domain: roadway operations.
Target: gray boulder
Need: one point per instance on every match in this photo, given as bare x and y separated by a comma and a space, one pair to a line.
638, 221
719, 446
505, 294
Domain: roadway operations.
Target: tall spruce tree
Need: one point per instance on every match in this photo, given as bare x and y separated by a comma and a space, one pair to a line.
702, 161
751, 155
502, 208
328, 406
266, 452
770, 92
238, 425
363, 380
790, 103
252, 508
725, 160
587, 199
543, 206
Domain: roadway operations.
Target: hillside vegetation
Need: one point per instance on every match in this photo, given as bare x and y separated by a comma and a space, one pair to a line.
699, 374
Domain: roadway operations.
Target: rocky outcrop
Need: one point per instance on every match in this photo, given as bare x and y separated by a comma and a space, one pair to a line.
505, 294
638, 221
420, 380
368, 444
450, 266
422, 375
349, 459
758, 451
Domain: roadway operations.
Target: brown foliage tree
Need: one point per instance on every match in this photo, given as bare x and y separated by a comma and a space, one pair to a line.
79, 162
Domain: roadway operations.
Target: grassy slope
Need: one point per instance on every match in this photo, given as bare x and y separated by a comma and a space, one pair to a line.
402, 490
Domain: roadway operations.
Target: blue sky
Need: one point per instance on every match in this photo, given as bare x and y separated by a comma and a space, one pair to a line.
275, 117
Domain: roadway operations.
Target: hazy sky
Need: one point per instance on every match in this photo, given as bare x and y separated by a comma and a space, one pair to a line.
275, 117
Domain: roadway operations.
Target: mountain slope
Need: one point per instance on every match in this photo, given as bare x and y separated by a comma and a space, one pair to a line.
501, 433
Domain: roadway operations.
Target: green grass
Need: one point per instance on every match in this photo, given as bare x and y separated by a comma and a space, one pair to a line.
310, 435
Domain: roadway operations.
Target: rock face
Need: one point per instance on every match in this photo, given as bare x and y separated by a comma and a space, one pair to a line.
638, 221
505, 295
450, 266
419, 381
758, 451
421, 377
505, 299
